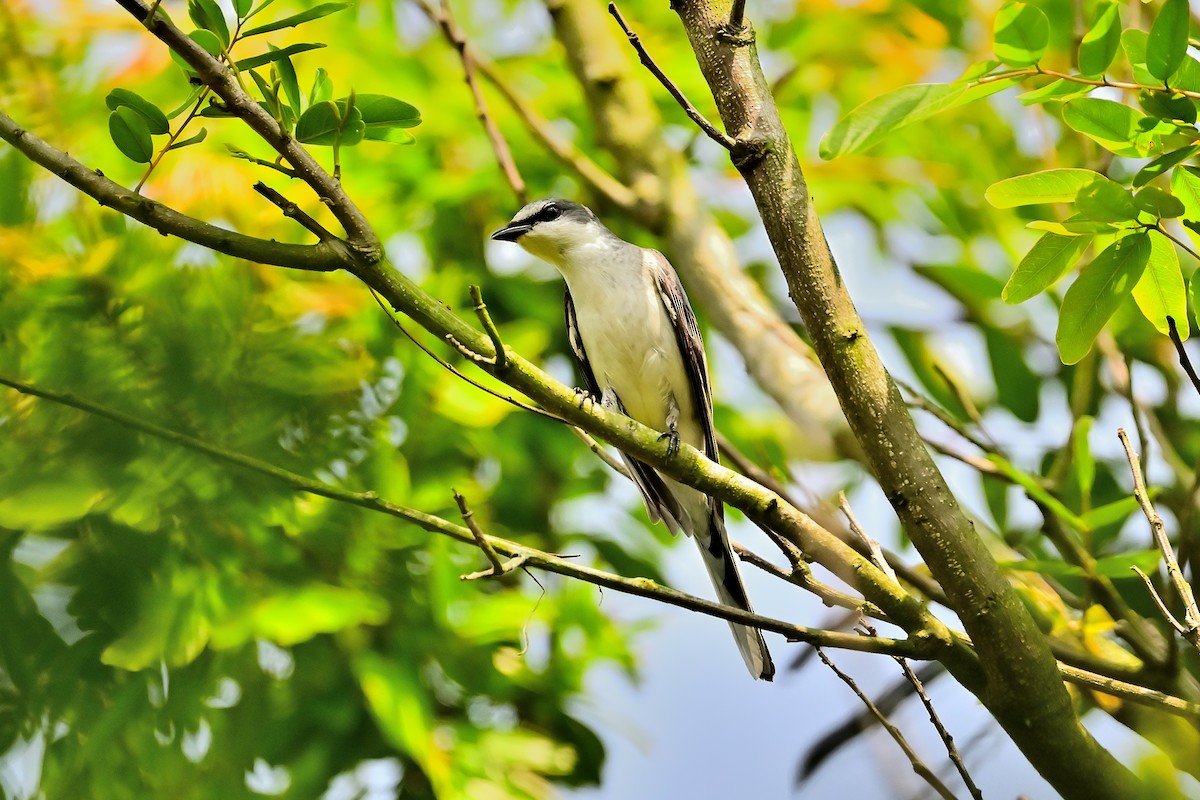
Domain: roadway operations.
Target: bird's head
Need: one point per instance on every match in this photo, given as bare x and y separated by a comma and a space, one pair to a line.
551, 228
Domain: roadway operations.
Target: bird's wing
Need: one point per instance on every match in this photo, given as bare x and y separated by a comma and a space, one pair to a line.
691, 346
576, 341
660, 503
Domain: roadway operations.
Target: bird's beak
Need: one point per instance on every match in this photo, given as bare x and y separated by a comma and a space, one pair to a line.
512, 232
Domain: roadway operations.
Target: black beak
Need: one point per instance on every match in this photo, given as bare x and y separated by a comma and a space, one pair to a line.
512, 232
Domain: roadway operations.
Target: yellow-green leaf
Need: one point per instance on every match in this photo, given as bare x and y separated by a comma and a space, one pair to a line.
1097, 292
1160, 293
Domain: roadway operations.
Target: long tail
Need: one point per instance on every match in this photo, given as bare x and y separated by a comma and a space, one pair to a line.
723, 569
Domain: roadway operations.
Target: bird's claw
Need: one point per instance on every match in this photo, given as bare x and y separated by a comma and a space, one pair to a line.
672, 437
583, 396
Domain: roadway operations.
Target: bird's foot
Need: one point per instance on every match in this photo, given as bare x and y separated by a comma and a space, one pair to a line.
583, 396
672, 437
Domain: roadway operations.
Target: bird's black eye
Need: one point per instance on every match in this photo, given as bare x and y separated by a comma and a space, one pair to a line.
550, 211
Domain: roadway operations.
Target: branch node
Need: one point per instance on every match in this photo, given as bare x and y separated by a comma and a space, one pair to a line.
498, 568
747, 151
739, 36
500, 361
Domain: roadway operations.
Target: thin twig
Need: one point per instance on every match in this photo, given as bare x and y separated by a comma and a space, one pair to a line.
1159, 602
737, 15
468, 516
500, 361
1190, 628
1184, 361
444, 18
805, 579
1151, 698
1036, 70
174, 135
456, 371
237, 152
915, 681
601, 452
918, 766
516, 562
721, 138
876, 553
591, 173
293, 211
918, 400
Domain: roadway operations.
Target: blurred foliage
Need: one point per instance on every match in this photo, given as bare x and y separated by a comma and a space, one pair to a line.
177, 627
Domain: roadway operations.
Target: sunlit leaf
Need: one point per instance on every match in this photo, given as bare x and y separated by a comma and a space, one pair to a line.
319, 124
1113, 125
1111, 513
1100, 44
1104, 200
1048, 186
49, 502
1168, 107
1160, 292
131, 135
875, 119
1046, 262
308, 15
1097, 292
242, 7
1168, 39
322, 88
1121, 565
1021, 34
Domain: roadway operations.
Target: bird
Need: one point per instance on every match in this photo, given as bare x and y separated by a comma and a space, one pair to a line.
634, 334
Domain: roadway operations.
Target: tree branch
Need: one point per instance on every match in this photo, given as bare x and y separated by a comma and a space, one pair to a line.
361, 236
164, 219
915, 647
631, 128
1190, 627
444, 18
1022, 687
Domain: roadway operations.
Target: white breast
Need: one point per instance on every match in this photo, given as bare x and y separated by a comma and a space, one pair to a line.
630, 340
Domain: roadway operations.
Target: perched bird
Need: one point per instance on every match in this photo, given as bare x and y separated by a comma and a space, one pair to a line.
639, 348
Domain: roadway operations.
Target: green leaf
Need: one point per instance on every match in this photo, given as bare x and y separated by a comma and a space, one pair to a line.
131, 135
316, 12
1055, 90
1048, 186
872, 121
1160, 293
207, 40
242, 7
1043, 265
207, 15
1163, 163
1055, 569
1100, 43
156, 120
49, 502
276, 54
1074, 225
1113, 125
1185, 183
1159, 202
1084, 463
196, 139
322, 88
1181, 324
1168, 40
1017, 386
287, 79
1121, 565
319, 124
1104, 200
1021, 34
384, 115
400, 703
1097, 292
1111, 513
1168, 107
